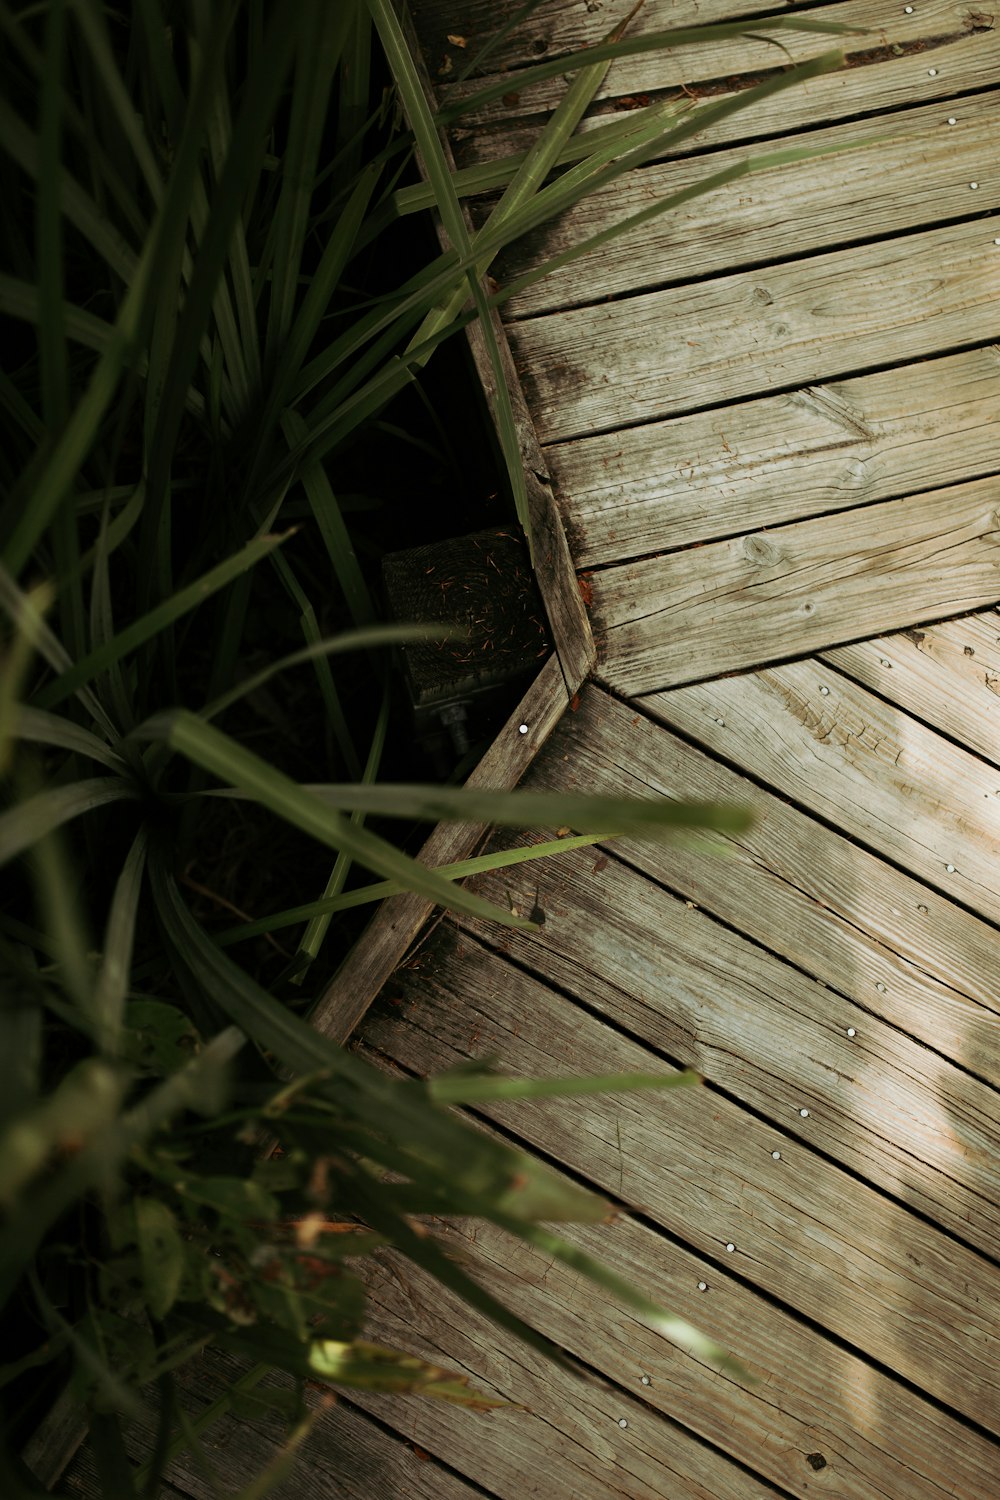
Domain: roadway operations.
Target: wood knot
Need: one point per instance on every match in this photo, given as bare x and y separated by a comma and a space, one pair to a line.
760, 551
816, 1461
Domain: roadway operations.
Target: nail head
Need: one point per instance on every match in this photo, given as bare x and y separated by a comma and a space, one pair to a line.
950, 869
730, 1247
703, 1286
775, 1155
973, 185
645, 1379
881, 988
851, 1031
804, 1113
825, 691
952, 120
932, 72
622, 1422
522, 729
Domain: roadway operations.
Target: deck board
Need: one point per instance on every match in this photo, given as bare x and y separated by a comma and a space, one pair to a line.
640, 358
885, 778
667, 485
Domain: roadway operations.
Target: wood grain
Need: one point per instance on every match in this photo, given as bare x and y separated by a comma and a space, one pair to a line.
881, 776
898, 949
778, 458
790, 591
701, 1167
897, 1115
808, 1395
966, 54
947, 675
806, 321
346, 1455
815, 204
568, 1441
398, 921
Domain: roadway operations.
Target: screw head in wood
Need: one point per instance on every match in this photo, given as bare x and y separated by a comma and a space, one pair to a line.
881, 988
851, 1031
622, 1422
730, 1247
952, 120
645, 1379
522, 728
950, 869
775, 1155
973, 185
804, 1113
932, 72
703, 1286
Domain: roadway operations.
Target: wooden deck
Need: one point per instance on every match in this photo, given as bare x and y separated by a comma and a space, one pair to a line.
769, 425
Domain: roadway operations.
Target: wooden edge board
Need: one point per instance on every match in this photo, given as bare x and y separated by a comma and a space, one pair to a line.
554, 569
396, 924
398, 920
884, 1106
929, 162
880, 776
777, 459
749, 600
803, 1230
947, 674
829, 316
935, 26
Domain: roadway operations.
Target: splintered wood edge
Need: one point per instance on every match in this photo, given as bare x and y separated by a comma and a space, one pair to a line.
398, 921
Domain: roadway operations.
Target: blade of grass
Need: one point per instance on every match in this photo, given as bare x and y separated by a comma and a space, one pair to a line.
213, 751
459, 1087
112, 984
30, 821
479, 865
41, 728
25, 613
653, 41
148, 625
336, 537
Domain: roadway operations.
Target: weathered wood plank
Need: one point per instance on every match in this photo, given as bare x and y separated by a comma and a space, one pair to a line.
345, 1455
895, 1113
965, 56
773, 215
803, 1229
577, 1438
873, 934
398, 921
810, 1395
781, 458
947, 674
878, 774
662, 353
737, 603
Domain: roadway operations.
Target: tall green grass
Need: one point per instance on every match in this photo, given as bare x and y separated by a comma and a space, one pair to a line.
191, 192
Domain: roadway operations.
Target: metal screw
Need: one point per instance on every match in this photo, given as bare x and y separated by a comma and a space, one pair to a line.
703, 1286
522, 729
722, 722
851, 1031
952, 120
825, 691
645, 1379
922, 908
775, 1155
932, 72
973, 185
804, 1113
880, 988
997, 240
730, 1247
884, 662
950, 869
622, 1422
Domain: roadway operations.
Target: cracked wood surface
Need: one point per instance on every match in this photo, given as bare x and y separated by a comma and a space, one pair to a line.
777, 459
801, 322
771, 594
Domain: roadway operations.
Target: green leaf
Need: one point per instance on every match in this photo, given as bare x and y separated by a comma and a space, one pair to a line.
372, 1367
213, 751
157, 619
482, 1088
35, 817
161, 1254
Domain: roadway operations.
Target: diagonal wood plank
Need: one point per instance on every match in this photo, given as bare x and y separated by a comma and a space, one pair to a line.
961, 36
803, 1229
780, 458
947, 674
589, 1438
638, 359
737, 603
873, 934
883, 1105
878, 774
819, 203
877, 1437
